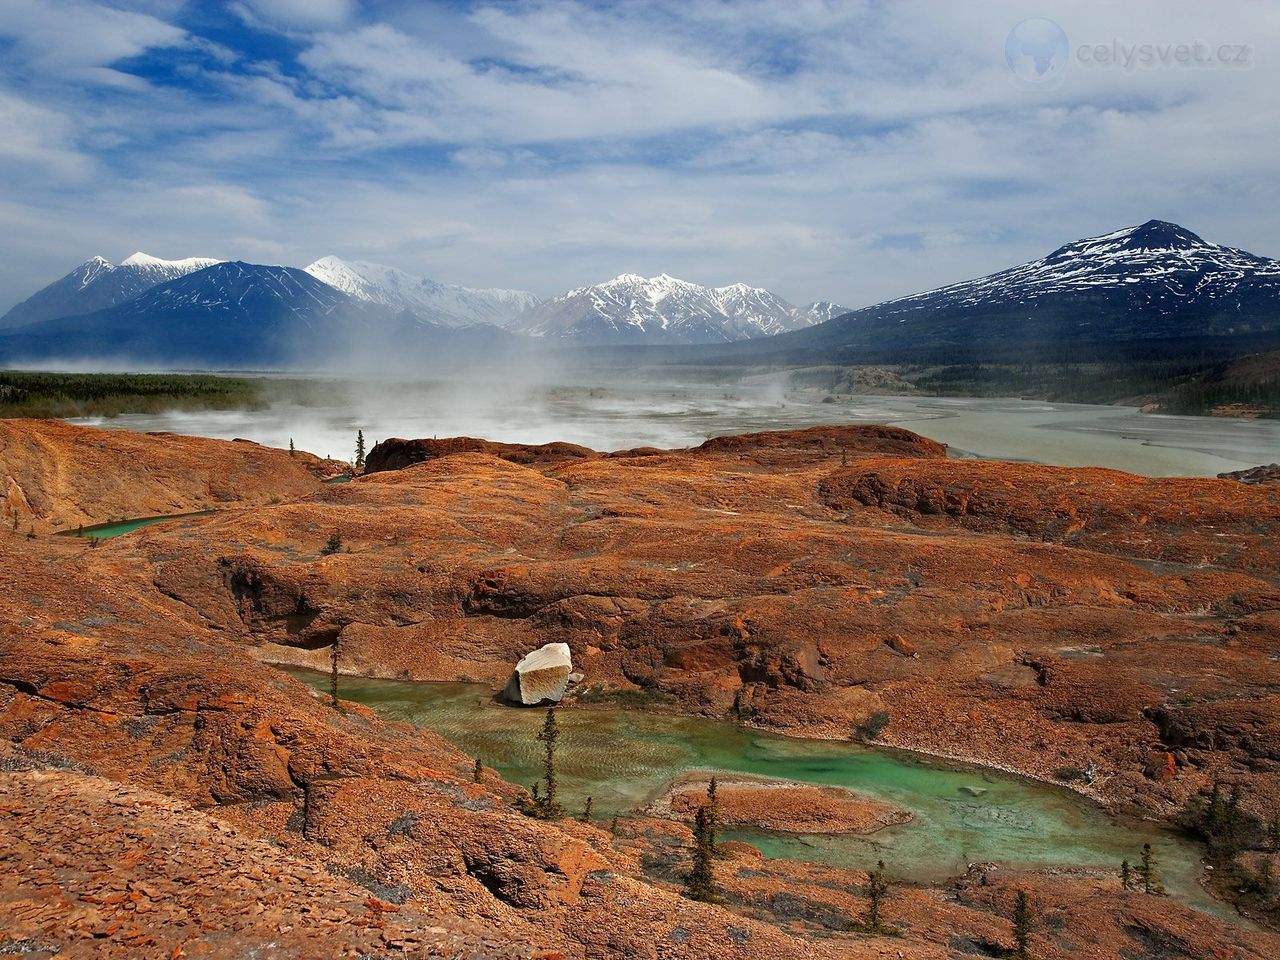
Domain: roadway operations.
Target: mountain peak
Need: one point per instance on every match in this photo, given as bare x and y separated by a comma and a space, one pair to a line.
1161, 235
140, 259
330, 261
741, 288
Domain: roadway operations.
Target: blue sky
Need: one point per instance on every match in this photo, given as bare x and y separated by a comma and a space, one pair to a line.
851, 151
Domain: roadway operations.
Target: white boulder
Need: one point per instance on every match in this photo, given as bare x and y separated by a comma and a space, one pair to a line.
541, 676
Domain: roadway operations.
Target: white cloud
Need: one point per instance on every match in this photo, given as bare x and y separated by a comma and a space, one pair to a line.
36, 144
78, 38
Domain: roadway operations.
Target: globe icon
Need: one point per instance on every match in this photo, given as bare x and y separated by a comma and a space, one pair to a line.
1036, 51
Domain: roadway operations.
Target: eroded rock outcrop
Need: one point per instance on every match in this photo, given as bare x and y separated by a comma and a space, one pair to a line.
57, 476
396, 454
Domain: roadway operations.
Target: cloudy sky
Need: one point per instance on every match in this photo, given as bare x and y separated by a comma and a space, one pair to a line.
852, 151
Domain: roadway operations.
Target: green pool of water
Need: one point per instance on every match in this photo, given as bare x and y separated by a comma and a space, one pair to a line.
104, 531
622, 758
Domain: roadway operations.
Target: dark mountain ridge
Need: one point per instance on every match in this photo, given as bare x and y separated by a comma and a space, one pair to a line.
1156, 288
239, 315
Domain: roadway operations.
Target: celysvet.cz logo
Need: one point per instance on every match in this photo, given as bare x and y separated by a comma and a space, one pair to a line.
1038, 52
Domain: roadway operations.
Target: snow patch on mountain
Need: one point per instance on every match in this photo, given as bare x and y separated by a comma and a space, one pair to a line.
179, 268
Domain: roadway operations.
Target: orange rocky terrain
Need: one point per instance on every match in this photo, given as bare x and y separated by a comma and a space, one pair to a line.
1118, 633
57, 476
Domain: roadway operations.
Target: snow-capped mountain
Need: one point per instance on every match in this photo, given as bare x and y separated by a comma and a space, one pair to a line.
97, 283
1156, 283
634, 309
244, 315
234, 313
428, 299
1169, 263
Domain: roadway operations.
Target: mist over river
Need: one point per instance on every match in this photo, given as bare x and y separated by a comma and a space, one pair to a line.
611, 414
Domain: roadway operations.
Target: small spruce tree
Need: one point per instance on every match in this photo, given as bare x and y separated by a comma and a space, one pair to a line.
549, 737
1148, 871
1264, 880
293, 451
1214, 816
332, 545
478, 775
334, 656
543, 804
877, 890
359, 449
1126, 875
1024, 923
586, 812
713, 818
700, 881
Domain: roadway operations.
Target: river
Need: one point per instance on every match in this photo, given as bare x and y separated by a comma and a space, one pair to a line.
675, 413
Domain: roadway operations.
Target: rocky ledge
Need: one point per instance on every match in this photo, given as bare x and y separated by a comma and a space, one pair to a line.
1267, 473
782, 806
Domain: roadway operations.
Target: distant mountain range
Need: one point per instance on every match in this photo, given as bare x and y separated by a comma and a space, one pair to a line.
82, 306
662, 309
1154, 287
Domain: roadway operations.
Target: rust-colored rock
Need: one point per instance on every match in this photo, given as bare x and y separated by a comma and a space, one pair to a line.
825, 441
1064, 620
396, 454
55, 476
779, 805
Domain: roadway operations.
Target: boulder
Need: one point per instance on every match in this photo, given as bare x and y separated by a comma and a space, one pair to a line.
540, 676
